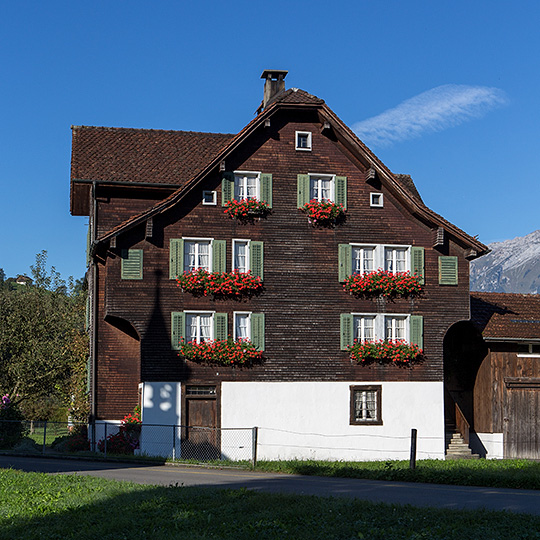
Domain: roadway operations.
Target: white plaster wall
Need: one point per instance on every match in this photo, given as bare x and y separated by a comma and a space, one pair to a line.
161, 409
310, 420
489, 444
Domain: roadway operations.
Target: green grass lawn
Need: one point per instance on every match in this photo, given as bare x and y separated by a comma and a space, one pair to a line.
40, 506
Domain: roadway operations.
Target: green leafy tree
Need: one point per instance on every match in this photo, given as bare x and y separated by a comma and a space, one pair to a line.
43, 342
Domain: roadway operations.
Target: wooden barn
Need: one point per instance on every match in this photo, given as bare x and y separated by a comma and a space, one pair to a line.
299, 207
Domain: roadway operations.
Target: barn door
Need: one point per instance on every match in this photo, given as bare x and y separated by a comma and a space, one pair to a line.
522, 418
201, 439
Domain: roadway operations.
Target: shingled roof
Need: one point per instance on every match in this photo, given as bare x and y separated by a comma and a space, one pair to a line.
506, 316
141, 155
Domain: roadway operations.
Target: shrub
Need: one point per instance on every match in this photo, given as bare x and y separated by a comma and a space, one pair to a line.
12, 425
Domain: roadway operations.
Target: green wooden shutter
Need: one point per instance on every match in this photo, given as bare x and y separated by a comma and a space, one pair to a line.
132, 264
302, 189
417, 259
266, 188
257, 330
177, 329
89, 375
341, 191
227, 187
176, 257
345, 262
87, 313
417, 330
88, 245
220, 326
346, 330
448, 270
218, 256
256, 259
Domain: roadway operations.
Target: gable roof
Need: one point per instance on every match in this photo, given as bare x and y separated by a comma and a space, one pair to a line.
401, 186
506, 317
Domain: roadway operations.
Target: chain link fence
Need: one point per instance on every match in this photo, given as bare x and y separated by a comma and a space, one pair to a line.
173, 442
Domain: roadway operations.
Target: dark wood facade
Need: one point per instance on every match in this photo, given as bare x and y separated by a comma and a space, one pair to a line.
302, 298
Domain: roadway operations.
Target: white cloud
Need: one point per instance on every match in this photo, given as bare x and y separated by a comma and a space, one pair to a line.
437, 109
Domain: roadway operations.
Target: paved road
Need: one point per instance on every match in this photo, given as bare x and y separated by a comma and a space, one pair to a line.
439, 496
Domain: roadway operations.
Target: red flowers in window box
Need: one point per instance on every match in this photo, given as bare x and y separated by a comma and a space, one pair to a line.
246, 208
397, 352
223, 352
323, 212
383, 283
231, 284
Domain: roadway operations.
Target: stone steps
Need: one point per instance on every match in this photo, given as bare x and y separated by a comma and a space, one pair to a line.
456, 448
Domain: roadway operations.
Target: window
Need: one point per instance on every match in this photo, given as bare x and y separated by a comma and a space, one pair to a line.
361, 259
241, 255
132, 264
448, 270
246, 185
366, 405
303, 140
199, 327
248, 256
209, 197
197, 255
376, 200
242, 326
321, 187
369, 327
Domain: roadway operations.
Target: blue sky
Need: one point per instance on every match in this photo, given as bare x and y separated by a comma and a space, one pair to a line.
445, 91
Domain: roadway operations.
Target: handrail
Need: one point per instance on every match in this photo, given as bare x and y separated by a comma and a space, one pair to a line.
462, 425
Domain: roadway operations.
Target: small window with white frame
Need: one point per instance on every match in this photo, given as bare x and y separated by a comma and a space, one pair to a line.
242, 326
303, 140
199, 326
376, 200
246, 185
396, 327
363, 259
370, 327
364, 328
197, 254
368, 258
322, 187
396, 259
240, 259
366, 405
209, 197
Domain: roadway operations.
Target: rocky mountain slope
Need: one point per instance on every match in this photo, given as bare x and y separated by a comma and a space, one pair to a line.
513, 266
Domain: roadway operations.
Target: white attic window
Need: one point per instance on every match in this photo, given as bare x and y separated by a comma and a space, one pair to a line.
376, 200
303, 140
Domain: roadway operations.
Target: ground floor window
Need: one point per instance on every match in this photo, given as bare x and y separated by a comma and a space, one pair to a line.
366, 405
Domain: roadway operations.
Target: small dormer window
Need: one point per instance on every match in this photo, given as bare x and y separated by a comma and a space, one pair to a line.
376, 200
303, 140
209, 197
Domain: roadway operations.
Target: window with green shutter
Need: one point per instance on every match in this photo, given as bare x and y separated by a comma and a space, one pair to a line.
345, 262
132, 264
346, 330
218, 256
341, 191
227, 187
266, 188
256, 256
257, 330
416, 330
177, 329
220, 326
176, 257
448, 270
302, 190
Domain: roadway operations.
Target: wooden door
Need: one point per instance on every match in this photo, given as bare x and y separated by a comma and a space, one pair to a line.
201, 440
522, 418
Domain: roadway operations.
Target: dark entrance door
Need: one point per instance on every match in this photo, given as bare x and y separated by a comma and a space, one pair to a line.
201, 439
522, 418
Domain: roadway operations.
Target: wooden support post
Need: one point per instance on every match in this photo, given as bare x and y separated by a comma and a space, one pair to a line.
254, 437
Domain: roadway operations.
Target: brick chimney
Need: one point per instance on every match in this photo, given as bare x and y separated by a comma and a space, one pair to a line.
274, 84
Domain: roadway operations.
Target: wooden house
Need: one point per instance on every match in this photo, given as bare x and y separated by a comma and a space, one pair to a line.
501, 374
157, 204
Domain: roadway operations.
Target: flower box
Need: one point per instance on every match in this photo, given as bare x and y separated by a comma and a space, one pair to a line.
246, 208
383, 283
226, 284
323, 212
224, 352
391, 352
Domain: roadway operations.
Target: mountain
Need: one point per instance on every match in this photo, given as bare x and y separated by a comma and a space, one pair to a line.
513, 266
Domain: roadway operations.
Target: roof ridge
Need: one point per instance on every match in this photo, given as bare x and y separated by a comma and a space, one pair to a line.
112, 128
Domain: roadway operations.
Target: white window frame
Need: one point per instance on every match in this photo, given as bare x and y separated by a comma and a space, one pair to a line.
235, 327
198, 241
297, 136
406, 326
376, 200
246, 174
362, 317
379, 325
362, 257
379, 259
319, 176
213, 194
235, 242
188, 314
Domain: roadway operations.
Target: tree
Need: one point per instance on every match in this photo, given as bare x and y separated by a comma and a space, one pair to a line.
43, 342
